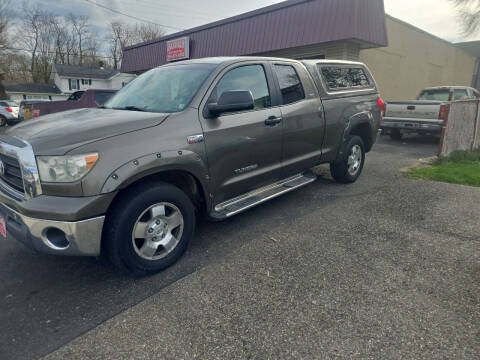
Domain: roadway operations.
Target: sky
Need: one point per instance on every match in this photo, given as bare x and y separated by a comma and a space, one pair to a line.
435, 16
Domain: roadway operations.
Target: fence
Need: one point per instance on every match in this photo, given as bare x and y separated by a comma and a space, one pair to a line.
462, 129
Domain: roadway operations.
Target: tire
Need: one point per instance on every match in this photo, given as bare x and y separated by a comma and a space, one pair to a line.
137, 213
3, 121
396, 135
348, 169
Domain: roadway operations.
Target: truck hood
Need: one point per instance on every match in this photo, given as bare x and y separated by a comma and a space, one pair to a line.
58, 133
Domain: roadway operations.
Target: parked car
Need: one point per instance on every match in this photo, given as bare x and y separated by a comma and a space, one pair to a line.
78, 100
25, 109
210, 136
427, 114
8, 112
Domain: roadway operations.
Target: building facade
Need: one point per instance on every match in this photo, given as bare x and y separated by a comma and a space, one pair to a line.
402, 58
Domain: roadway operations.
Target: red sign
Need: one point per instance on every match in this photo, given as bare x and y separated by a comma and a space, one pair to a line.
178, 49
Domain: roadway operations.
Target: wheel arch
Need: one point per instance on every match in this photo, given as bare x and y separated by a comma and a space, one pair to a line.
364, 130
185, 180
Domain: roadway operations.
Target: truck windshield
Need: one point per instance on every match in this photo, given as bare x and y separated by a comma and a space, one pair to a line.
165, 89
435, 95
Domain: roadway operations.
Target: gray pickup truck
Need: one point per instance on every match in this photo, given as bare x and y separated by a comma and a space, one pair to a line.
427, 114
211, 136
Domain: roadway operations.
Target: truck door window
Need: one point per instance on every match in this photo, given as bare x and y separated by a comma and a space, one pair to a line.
249, 77
460, 94
290, 84
101, 97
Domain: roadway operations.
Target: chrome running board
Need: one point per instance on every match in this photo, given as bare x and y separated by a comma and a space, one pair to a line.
241, 203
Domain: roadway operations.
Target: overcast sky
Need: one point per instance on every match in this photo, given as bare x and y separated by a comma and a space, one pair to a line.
435, 16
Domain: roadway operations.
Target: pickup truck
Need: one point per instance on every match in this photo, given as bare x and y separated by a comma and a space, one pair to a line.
427, 114
209, 137
91, 98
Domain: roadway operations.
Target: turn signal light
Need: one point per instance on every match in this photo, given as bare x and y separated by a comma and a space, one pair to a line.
382, 106
9, 109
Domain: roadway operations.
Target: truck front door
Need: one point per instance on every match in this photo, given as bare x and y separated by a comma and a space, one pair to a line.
243, 148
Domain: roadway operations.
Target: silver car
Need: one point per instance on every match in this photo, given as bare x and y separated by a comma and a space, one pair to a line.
8, 112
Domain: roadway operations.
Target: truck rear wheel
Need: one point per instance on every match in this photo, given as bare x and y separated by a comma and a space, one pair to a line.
396, 134
348, 169
149, 228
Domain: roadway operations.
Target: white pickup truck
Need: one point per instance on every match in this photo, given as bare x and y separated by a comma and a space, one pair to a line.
427, 114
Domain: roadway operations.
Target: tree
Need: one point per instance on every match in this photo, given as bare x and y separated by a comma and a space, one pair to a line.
469, 14
4, 17
81, 28
123, 35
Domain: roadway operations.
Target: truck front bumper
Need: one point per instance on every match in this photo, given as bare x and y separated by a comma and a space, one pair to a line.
76, 238
427, 126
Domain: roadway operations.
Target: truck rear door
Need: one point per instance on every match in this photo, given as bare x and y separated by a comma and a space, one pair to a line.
302, 114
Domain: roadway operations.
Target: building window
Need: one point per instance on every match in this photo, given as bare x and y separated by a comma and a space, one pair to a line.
73, 84
290, 84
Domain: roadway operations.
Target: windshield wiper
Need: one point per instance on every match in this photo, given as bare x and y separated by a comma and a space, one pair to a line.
131, 108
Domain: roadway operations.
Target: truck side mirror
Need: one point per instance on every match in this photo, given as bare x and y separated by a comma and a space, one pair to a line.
233, 100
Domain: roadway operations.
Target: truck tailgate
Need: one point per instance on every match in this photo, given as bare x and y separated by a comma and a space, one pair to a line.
413, 110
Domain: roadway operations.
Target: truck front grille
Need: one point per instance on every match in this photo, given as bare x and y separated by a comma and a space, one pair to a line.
11, 174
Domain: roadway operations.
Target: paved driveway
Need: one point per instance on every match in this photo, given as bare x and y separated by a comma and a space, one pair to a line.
384, 268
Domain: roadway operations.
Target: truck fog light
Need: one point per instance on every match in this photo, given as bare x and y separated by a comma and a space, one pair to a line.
56, 238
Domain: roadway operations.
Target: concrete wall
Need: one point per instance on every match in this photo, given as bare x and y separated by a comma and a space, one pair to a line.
462, 130
415, 59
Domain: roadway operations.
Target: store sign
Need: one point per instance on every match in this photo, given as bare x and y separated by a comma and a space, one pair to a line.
178, 49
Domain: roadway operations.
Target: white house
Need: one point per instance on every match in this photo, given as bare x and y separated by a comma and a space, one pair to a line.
34, 91
71, 78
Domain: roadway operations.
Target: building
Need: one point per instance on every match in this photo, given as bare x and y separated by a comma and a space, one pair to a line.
33, 91
294, 28
403, 58
71, 78
415, 59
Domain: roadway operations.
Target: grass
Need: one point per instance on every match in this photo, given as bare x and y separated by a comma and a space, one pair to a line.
461, 167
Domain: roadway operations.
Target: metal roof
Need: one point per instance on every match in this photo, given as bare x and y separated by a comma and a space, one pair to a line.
84, 71
284, 25
33, 88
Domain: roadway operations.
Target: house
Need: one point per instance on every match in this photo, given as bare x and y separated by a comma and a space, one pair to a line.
71, 78
33, 91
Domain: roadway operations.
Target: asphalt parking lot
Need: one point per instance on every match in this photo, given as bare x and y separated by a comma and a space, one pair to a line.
384, 268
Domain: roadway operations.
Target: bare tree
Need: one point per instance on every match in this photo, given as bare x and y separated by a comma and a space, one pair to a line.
116, 38
4, 17
123, 35
35, 25
81, 28
469, 14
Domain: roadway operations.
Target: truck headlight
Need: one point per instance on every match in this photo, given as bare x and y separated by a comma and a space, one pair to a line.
65, 169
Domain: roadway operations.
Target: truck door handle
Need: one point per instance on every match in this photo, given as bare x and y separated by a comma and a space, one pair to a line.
273, 120
411, 107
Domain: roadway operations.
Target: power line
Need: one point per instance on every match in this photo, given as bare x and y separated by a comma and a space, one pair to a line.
131, 16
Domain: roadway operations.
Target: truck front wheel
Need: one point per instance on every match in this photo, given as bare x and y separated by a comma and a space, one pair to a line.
348, 169
149, 228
